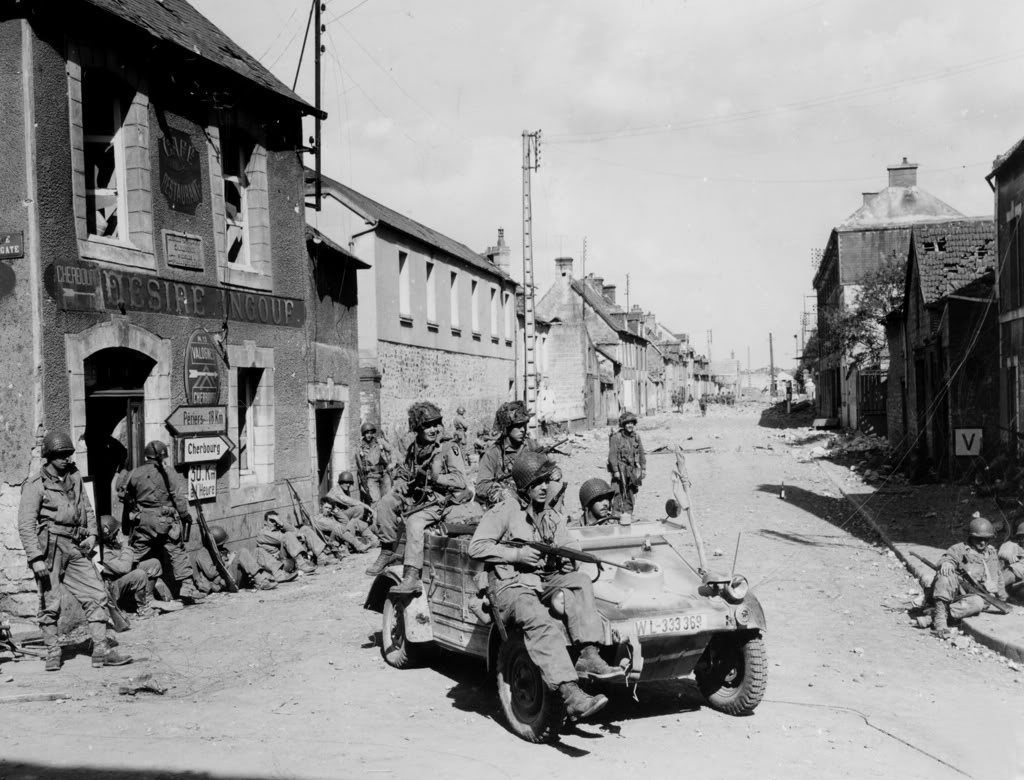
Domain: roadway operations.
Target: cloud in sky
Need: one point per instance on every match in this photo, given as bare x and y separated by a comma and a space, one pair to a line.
704, 148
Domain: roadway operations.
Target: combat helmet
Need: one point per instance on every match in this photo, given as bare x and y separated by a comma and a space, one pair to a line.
421, 413
980, 528
627, 417
367, 427
56, 442
109, 527
592, 490
531, 467
346, 477
155, 450
510, 414
220, 536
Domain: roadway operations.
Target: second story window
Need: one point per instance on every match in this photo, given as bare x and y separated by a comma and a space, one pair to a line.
431, 294
494, 314
474, 299
104, 101
453, 301
404, 286
509, 317
236, 153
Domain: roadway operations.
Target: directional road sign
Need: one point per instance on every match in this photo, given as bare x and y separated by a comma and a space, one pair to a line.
187, 420
202, 449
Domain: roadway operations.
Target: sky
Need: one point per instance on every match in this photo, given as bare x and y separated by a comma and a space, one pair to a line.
702, 148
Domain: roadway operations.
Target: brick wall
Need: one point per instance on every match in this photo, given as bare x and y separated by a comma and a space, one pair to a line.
449, 379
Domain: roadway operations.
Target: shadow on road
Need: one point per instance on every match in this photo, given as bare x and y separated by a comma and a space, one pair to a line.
800, 416
16, 770
840, 512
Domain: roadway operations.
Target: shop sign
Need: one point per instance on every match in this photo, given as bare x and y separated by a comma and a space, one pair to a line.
12, 245
202, 482
202, 369
188, 420
183, 250
202, 449
180, 173
84, 286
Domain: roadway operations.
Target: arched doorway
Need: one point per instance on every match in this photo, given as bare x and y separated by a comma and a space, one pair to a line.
115, 432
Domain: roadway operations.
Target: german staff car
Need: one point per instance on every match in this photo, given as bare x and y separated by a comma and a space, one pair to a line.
663, 621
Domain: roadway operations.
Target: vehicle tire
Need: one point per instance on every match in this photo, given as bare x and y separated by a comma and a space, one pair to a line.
532, 711
397, 652
733, 673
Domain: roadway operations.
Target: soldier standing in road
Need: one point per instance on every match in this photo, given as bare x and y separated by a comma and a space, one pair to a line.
58, 531
373, 463
979, 559
627, 463
1011, 555
522, 584
494, 472
162, 518
596, 502
430, 480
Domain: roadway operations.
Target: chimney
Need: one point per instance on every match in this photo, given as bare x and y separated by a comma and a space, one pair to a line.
608, 291
499, 254
564, 266
903, 175
596, 283
868, 196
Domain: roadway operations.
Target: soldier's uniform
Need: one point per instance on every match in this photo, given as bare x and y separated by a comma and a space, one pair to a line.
494, 472
1011, 555
344, 519
129, 587
627, 463
243, 567
373, 462
983, 567
280, 545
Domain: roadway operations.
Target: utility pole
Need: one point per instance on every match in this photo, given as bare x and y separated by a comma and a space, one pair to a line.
627, 292
583, 259
531, 162
771, 367
748, 368
709, 347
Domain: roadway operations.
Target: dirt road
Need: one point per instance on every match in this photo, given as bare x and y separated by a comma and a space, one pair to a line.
289, 683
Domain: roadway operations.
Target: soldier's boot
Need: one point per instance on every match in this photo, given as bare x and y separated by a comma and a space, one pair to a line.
383, 559
940, 618
355, 542
263, 581
580, 705
102, 655
411, 584
369, 539
285, 576
54, 654
591, 664
187, 591
304, 565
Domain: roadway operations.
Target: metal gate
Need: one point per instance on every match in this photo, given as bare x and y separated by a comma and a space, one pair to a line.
872, 397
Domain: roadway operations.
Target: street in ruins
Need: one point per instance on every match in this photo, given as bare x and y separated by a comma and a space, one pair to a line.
291, 683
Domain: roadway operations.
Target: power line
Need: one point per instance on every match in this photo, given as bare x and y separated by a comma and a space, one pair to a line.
343, 14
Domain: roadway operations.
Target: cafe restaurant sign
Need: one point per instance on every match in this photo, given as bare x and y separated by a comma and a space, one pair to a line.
84, 286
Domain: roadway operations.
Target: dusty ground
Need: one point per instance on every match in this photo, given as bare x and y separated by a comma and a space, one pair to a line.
290, 683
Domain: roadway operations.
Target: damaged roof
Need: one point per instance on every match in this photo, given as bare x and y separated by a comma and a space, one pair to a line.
897, 205
952, 255
178, 23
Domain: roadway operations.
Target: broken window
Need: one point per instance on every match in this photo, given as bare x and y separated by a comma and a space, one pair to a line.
105, 101
236, 154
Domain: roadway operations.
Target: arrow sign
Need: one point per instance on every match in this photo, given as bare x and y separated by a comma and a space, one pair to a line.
187, 420
202, 449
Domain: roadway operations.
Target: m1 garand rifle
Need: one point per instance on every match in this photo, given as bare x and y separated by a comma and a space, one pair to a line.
970, 585
301, 515
569, 553
211, 547
556, 447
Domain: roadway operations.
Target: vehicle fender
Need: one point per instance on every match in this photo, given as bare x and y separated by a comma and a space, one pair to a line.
756, 619
418, 627
384, 582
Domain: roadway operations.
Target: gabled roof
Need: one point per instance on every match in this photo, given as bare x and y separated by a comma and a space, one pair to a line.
1004, 158
317, 238
178, 23
951, 255
600, 305
372, 211
604, 350
898, 206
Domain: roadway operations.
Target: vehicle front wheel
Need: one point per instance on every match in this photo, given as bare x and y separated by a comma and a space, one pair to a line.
532, 711
733, 673
396, 649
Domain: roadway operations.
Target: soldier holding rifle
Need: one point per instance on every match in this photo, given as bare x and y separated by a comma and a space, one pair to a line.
962, 568
373, 463
627, 462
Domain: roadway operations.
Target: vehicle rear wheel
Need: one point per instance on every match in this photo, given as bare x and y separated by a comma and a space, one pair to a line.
396, 649
532, 711
733, 673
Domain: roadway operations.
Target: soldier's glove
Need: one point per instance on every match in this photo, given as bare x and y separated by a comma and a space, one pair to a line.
946, 569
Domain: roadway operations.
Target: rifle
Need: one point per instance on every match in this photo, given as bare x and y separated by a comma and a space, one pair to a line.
568, 553
970, 585
211, 548
549, 448
302, 516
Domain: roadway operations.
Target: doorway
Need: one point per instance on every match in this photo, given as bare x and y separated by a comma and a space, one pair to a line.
114, 419
328, 421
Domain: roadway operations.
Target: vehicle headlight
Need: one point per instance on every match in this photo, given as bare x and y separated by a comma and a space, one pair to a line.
737, 588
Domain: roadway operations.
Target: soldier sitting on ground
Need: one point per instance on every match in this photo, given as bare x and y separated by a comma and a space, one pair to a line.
627, 462
523, 584
130, 589
291, 548
494, 472
243, 567
596, 502
346, 527
428, 483
1011, 555
978, 558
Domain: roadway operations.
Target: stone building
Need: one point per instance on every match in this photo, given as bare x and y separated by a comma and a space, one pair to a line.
155, 264
437, 320
877, 232
943, 394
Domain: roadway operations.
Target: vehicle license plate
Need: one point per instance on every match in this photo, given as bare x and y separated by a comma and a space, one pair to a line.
671, 624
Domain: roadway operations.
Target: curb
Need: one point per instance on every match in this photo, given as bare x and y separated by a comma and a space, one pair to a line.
923, 574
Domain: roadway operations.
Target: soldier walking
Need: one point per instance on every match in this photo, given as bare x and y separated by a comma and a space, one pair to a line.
373, 463
627, 463
58, 531
162, 518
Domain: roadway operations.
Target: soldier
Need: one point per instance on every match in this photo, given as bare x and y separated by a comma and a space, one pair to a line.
243, 567
461, 427
58, 530
596, 502
1011, 555
627, 462
162, 517
979, 559
373, 462
129, 588
289, 547
346, 517
427, 483
494, 472
522, 584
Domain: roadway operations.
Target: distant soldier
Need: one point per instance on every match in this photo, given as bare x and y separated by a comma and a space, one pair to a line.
291, 548
162, 517
58, 531
428, 483
373, 463
627, 462
129, 588
494, 472
978, 558
596, 502
460, 426
703, 404
243, 567
1011, 555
